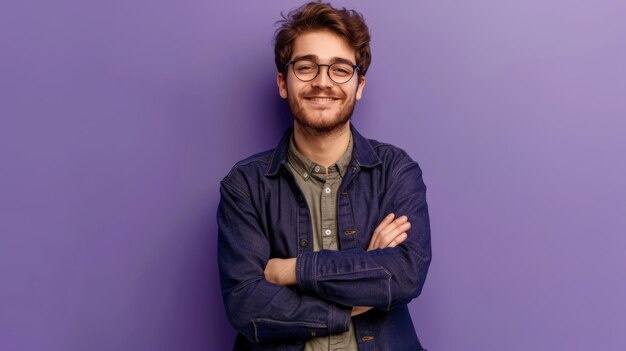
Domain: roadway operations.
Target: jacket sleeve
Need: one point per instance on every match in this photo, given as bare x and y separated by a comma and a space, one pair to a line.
262, 311
380, 278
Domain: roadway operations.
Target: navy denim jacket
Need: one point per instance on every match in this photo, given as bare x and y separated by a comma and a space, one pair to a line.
263, 214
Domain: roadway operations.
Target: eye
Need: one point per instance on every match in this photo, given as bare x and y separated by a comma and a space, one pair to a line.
342, 70
304, 68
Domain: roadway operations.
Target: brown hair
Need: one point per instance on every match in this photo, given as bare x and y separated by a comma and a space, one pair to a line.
348, 24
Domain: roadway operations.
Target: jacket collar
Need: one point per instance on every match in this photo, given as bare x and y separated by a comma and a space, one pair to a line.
363, 154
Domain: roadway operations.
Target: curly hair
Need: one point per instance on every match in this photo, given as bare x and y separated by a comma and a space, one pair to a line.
348, 24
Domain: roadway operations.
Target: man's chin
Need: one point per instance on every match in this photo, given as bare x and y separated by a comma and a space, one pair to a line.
320, 122
322, 126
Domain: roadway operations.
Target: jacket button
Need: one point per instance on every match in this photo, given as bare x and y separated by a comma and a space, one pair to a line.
367, 338
303, 242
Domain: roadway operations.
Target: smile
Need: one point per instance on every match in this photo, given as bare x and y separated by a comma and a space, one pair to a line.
322, 100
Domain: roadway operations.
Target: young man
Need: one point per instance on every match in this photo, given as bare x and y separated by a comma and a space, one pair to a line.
324, 240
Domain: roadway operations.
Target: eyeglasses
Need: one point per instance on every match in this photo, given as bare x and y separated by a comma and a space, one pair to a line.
307, 70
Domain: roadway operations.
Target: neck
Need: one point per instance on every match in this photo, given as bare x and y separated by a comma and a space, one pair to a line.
322, 148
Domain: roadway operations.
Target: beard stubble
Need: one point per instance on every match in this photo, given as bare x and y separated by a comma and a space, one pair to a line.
311, 126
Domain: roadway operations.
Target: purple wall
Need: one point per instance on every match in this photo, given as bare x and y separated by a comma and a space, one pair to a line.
119, 118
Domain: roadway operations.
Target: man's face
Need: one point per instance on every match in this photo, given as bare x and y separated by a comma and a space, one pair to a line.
321, 105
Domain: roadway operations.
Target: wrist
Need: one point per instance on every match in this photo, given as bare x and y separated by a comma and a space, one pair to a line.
290, 272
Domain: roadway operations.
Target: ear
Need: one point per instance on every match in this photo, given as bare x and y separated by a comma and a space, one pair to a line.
282, 85
359, 88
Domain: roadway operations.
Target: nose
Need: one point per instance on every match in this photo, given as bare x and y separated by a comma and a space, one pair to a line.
323, 79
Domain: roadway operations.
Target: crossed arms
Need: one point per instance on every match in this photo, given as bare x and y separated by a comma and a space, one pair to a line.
389, 233
316, 293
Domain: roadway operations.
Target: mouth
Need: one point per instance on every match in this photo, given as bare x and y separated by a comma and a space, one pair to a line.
323, 100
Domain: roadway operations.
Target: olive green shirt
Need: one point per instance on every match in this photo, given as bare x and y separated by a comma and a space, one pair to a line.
320, 190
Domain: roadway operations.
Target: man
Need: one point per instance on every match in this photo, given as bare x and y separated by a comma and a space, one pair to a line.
324, 240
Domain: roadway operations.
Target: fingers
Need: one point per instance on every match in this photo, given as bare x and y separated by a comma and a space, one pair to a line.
272, 271
281, 271
383, 224
390, 233
267, 272
388, 236
398, 240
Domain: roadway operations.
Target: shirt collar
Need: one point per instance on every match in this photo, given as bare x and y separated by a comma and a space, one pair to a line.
307, 168
363, 154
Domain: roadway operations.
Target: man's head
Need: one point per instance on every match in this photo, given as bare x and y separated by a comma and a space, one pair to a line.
321, 98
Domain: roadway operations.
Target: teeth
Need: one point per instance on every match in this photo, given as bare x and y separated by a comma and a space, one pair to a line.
322, 99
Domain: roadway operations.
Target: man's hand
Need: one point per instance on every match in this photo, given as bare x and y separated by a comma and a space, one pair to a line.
357, 310
390, 232
281, 271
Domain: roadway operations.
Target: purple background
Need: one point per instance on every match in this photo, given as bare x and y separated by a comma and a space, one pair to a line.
119, 118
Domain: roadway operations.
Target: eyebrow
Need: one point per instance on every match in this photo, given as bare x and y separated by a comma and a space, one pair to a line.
316, 58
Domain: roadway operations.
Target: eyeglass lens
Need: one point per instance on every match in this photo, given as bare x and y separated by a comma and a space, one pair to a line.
306, 70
